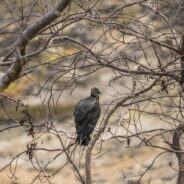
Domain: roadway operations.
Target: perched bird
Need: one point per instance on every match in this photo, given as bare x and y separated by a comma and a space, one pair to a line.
86, 115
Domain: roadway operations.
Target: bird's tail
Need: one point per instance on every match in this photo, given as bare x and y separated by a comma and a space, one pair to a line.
83, 140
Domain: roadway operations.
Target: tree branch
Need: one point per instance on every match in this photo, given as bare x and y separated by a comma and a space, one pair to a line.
104, 125
20, 44
182, 61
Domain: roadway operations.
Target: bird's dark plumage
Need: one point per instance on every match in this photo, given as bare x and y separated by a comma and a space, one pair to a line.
86, 115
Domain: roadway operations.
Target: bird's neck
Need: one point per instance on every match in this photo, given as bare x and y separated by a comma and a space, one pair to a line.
95, 96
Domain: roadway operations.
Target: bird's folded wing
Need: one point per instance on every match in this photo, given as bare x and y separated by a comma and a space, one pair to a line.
83, 108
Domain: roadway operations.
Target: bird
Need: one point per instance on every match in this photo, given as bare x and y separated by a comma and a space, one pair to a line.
86, 115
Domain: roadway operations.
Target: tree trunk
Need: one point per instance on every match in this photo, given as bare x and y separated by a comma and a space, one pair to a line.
182, 63
176, 146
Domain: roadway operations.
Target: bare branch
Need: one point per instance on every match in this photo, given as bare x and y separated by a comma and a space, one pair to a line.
21, 43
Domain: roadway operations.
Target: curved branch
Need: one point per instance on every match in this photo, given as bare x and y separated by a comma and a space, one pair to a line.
104, 125
20, 44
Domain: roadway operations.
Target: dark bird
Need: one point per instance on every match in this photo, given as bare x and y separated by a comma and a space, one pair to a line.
86, 115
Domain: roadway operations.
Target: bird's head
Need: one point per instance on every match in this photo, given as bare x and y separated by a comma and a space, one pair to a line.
95, 92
